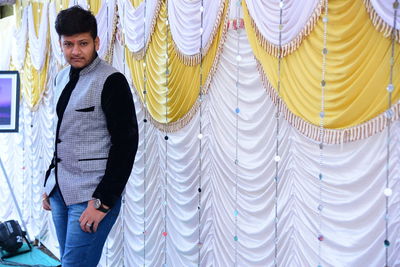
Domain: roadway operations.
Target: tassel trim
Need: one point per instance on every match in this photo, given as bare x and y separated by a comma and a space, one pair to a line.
293, 45
379, 23
175, 126
330, 136
192, 60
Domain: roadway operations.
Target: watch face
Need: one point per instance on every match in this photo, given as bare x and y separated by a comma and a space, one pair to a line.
97, 203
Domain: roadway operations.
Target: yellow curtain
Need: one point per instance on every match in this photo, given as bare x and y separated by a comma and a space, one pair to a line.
357, 68
136, 3
33, 82
183, 81
94, 6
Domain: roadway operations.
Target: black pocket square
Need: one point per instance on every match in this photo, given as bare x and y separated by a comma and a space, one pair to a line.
85, 109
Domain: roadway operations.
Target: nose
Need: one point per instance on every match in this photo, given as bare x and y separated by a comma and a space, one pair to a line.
76, 50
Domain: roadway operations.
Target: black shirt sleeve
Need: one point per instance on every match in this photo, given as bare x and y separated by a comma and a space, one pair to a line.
118, 107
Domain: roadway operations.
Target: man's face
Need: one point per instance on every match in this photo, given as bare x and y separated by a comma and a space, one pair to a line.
79, 49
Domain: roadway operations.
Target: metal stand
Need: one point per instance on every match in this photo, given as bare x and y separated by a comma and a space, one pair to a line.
15, 200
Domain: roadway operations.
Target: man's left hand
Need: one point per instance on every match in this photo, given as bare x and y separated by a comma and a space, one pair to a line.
90, 218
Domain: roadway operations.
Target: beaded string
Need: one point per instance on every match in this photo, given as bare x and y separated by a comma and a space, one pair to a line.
200, 135
389, 114
165, 233
277, 158
320, 206
237, 111
144, 135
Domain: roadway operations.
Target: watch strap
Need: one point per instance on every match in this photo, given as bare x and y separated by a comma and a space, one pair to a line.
102, 209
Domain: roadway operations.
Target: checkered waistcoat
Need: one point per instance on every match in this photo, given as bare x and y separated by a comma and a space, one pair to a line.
83, 140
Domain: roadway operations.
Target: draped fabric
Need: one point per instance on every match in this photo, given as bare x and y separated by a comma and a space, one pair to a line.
298, 19
172, 96
54, 39
8, 24
382, 15
353, 218
38, 39
352, 103
133, 22
20, 40
233, 163
357, 69
33, 82
193, 26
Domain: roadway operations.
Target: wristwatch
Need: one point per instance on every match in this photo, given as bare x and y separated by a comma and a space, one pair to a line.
99, 206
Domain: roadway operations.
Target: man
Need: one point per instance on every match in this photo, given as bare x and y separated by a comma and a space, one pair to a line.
95, 145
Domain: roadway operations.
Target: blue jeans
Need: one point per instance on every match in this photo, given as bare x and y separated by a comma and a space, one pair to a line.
79, 248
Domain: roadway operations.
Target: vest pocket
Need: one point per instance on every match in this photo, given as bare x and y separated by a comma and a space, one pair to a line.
88, 109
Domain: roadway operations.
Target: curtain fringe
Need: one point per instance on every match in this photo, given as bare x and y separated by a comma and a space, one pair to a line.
192, 60
110, 51
331, 136
183, 121
379, 23
138, 55
293, 45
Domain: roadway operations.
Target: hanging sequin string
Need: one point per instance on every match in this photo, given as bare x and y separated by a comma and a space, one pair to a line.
165, 233
277, 158
320, 206
200, 135
144, 133
237, 111
389, 115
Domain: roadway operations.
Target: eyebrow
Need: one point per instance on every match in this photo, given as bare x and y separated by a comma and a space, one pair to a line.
81, 40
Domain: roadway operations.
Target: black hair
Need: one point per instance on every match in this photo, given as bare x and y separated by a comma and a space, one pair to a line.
75, 20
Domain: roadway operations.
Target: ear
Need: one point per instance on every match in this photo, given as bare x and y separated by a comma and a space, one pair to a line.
97, 43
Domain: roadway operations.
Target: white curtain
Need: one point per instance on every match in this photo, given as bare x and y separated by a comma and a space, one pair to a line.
19, 41
186, 27
104, 19
133, 21
38, 42
354, 205
8, 24
295, 17
54, 39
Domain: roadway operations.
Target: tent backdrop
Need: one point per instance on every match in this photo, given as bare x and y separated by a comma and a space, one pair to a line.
267, 137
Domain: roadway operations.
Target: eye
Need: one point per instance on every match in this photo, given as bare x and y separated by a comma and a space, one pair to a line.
67, 44
84, 43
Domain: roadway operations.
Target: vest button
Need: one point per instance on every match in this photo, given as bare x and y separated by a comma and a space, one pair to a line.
58, 160
58, 141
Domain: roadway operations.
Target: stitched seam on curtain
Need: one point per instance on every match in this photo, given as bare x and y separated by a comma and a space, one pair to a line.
195, 59
138, 55
290, 47
331, 136
184, 120
379, 23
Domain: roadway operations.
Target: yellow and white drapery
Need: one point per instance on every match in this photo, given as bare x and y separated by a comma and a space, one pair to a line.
355, 174
183, 82
357, 74
355, 171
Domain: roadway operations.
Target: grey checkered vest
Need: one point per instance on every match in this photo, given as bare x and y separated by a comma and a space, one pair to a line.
83, 142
